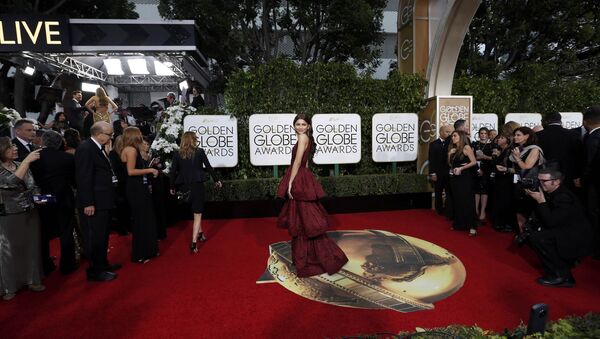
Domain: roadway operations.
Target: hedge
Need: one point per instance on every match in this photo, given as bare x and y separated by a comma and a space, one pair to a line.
282, 86
340, 186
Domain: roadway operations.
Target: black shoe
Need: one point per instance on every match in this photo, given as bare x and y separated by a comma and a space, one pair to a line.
201, 237
101, 276
49, 267
193, 248
65, 270
113, 267
556, 282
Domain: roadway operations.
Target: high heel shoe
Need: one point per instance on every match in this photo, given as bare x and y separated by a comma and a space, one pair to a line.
201, 237
193, 248
472, 232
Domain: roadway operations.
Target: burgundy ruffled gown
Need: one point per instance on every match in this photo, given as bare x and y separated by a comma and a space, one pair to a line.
313, 252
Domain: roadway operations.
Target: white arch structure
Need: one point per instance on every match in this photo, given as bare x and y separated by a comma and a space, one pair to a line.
446, 45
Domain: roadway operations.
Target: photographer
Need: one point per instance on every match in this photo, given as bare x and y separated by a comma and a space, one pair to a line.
563, 233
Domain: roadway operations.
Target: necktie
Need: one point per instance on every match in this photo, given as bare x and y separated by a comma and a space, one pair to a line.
30, 147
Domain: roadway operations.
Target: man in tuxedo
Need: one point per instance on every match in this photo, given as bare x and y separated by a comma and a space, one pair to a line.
563, 233
95, 199
54, 174
24, 135
438, 167
591, 168
75, 112
562, 148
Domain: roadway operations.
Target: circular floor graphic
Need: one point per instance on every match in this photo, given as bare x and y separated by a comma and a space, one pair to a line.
385, 271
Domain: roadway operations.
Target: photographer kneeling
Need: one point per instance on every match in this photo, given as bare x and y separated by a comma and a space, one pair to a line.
563, 234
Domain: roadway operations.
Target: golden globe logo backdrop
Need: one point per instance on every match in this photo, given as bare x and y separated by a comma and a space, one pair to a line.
487, 120
524, 119
272, 137
427, 133
217, 135
394, 137
571, 119
454, 108
337, 138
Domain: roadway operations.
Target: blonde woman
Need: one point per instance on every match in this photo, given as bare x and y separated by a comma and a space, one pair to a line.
99, 105
188, 173
144, 238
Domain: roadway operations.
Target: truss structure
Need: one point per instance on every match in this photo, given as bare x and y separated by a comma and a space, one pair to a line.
69, 64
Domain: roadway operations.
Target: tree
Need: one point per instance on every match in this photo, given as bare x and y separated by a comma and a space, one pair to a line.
506, 35
243, 33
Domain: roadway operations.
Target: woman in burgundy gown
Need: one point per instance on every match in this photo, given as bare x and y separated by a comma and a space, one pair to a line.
313, 252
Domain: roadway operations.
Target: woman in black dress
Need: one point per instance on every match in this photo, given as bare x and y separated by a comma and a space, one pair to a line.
144, 240
483, 153
461, 158
188, 175
503, 211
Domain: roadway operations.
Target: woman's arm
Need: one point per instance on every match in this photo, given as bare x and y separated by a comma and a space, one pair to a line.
91, 103
468, 151
112, 103
302, 143
531, 160
209, 168
24, 166
129, 154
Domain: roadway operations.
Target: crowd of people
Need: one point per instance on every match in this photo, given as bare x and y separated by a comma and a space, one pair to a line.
57, 182
542, 185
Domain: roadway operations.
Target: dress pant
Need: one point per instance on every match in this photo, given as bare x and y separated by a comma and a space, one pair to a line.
440, 186
544, 245
593, 209
95, 230
66, 222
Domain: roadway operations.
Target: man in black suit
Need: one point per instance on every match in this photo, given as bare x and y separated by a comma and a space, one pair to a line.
75, 112
591, 170
562, 148
24, 135
95, 199
564, 233
54, 174
438, 167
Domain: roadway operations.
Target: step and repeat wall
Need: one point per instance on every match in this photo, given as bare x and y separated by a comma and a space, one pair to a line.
395, 137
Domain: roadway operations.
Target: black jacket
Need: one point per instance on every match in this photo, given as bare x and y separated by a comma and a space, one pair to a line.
563, 147
187, 171
94, 177
564, 216
23, 151
591, 167
54, 173
438, 160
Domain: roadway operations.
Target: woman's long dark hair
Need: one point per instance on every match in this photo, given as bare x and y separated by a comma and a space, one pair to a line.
306, 117
531, 140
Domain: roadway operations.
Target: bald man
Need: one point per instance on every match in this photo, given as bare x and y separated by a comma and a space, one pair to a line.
95, 199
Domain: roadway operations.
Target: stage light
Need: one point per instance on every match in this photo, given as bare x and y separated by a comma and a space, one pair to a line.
11, 72
29, 70
138, 66
183, 86
168, 64
113, 66
162, 69
87, 87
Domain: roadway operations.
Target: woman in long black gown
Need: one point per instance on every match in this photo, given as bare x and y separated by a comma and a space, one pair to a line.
144, 239
503, 211
461, 159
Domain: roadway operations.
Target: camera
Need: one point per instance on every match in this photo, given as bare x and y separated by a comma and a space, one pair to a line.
532, 184
532, 225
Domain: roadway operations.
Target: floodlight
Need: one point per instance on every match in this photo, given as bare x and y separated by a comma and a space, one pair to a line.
183, 86
162, 69
138, 66
87, 87
113, 66
168, 64
29, 70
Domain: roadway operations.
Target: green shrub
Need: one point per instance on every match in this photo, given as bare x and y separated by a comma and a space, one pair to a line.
340, 186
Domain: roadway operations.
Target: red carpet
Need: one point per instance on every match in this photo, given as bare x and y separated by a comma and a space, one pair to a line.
214, 294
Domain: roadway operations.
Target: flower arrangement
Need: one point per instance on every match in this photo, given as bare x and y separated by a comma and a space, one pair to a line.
8, 116
170, 131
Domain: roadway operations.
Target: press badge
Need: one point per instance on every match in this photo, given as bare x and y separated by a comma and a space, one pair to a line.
115, 179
